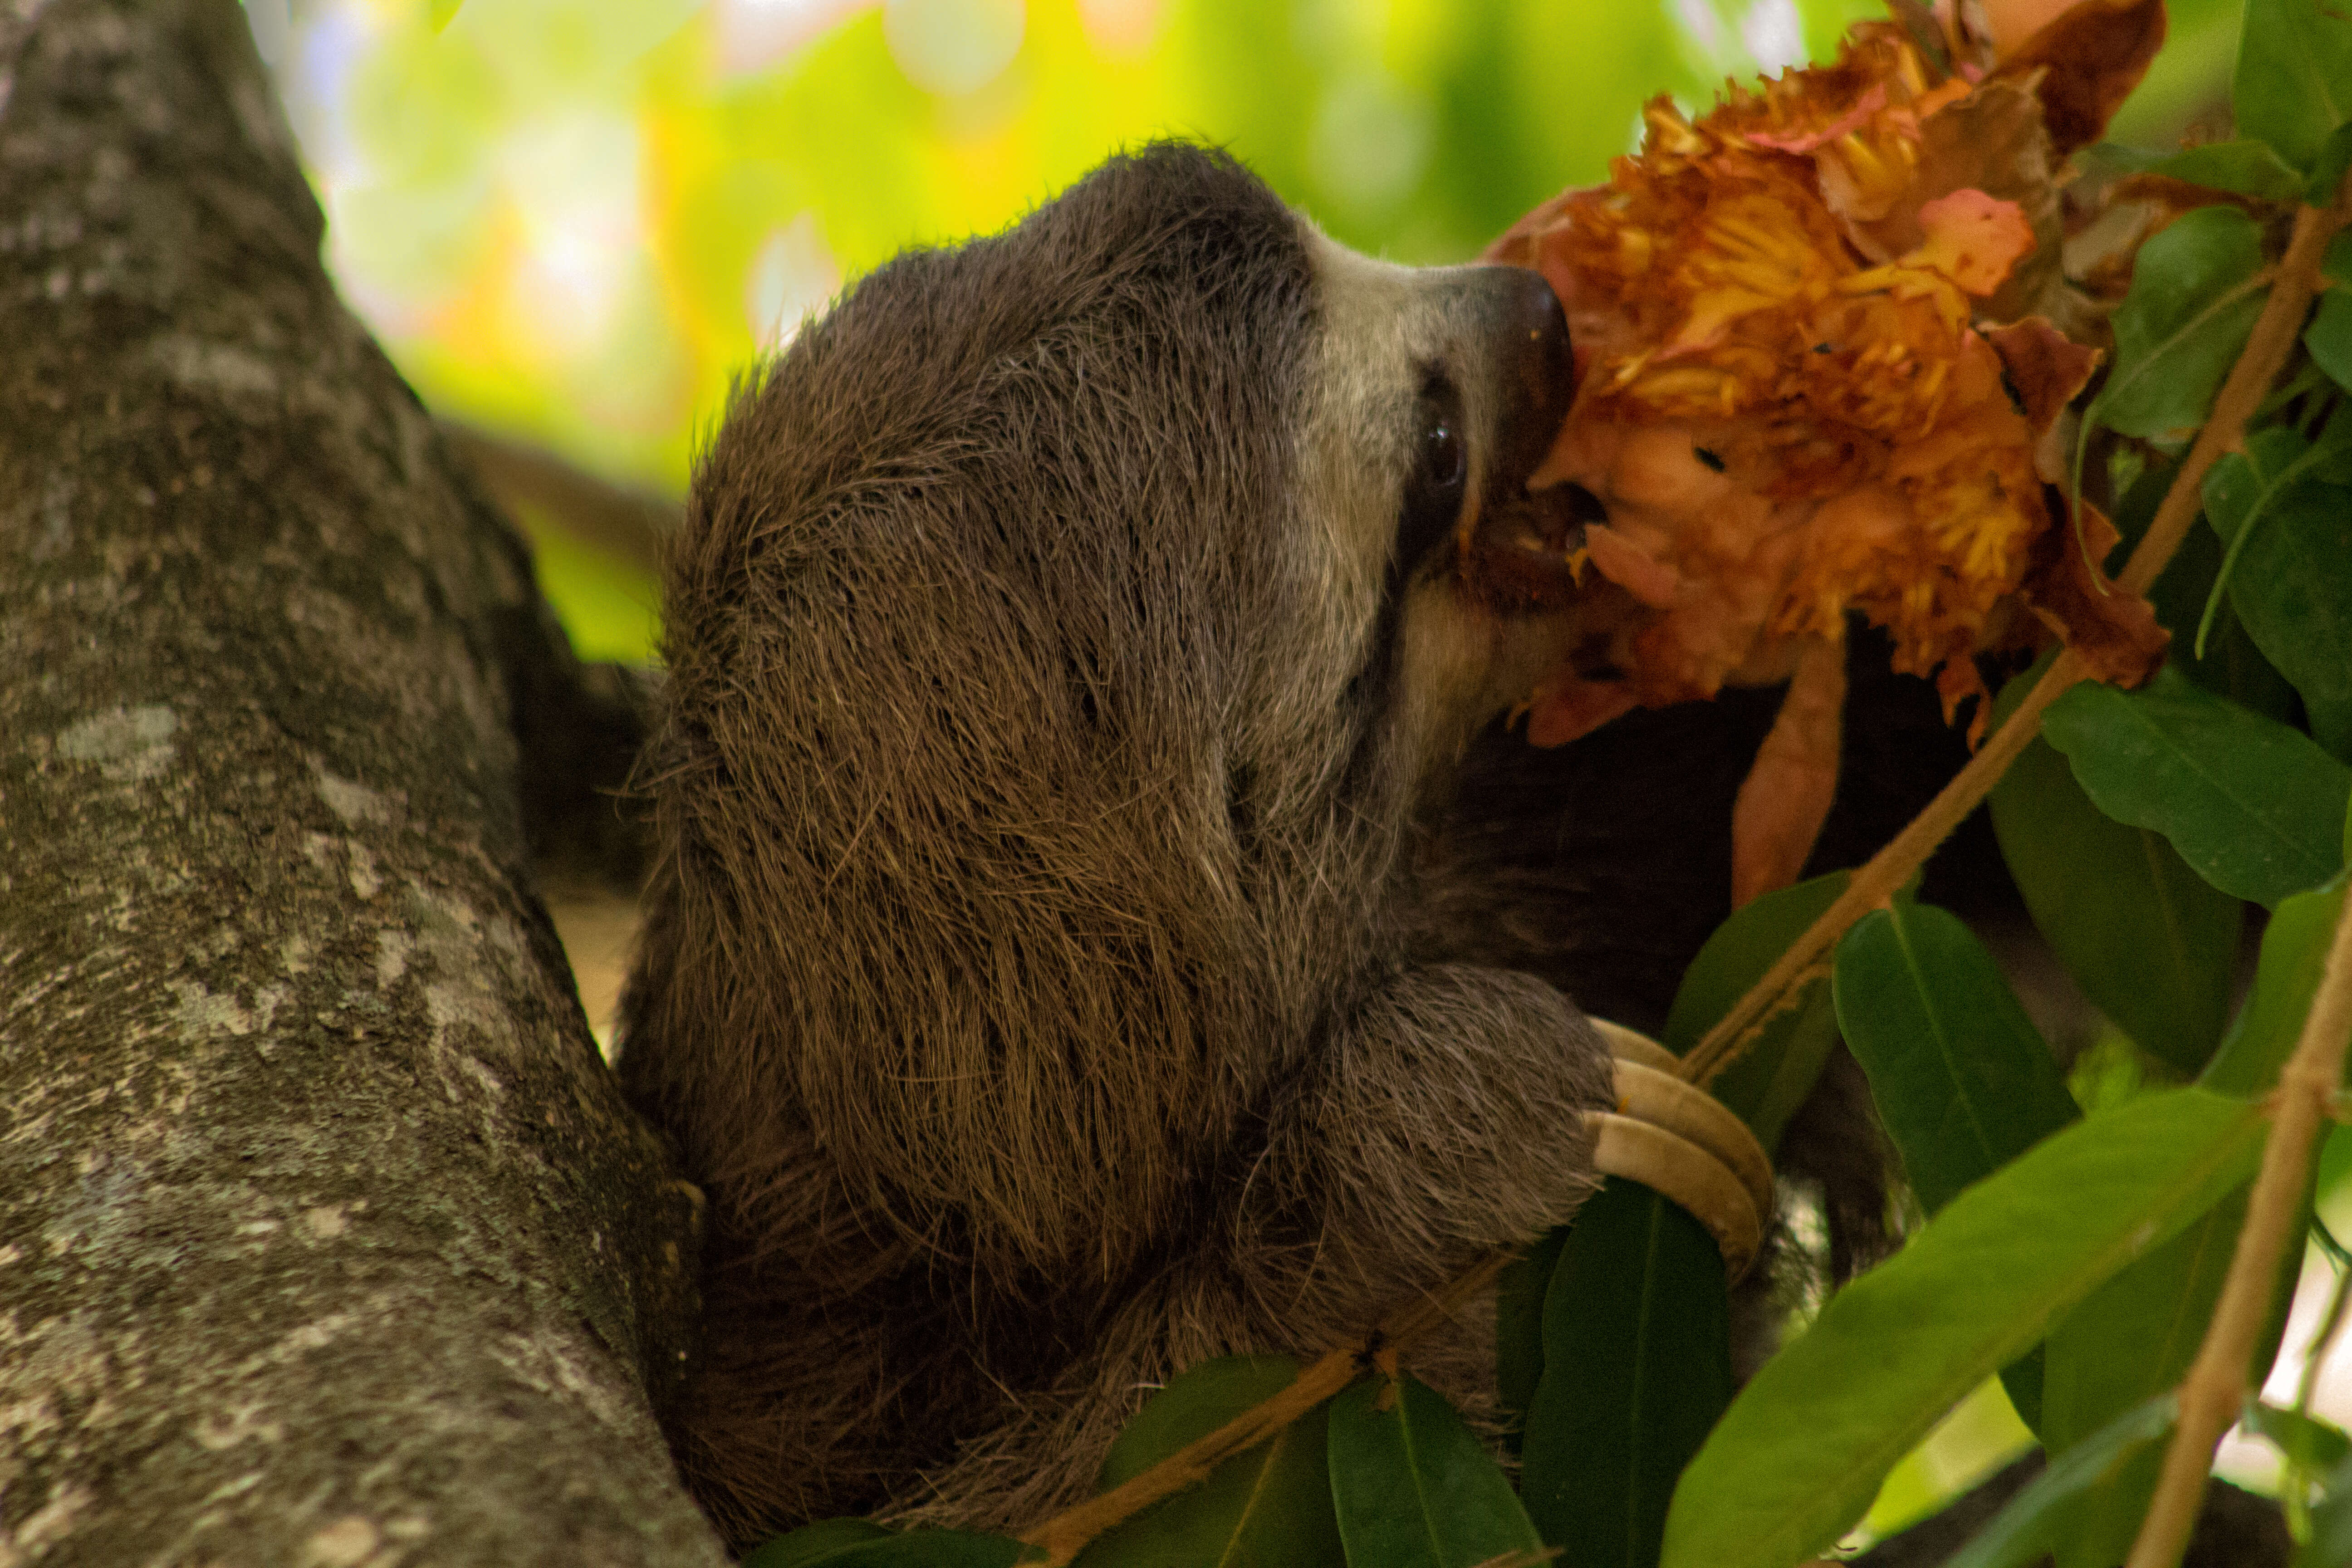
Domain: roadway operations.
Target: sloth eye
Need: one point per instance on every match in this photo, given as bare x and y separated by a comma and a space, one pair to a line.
1441, 476
1447, 461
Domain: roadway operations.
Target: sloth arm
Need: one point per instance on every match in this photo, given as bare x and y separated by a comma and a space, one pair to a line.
1442, 1120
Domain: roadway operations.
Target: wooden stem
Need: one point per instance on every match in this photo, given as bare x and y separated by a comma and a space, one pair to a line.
2215, 1389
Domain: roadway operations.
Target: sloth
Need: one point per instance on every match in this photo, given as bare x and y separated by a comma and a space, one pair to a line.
1057, 968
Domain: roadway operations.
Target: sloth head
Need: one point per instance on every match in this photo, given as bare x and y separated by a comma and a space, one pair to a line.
1064, 632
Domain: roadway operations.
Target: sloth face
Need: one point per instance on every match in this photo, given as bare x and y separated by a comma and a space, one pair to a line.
1435, 393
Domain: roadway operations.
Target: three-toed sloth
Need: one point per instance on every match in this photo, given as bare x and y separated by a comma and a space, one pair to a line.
1068, 656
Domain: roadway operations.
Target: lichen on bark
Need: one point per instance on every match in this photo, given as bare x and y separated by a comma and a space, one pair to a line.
325, 1236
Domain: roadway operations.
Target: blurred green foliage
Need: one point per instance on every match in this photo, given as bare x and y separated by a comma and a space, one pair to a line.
573, 219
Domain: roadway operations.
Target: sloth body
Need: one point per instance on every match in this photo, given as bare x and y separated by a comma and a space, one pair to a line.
1064, 662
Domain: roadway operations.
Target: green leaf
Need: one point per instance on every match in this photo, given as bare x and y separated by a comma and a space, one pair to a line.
2247, 167
856, 1544
2131, 1340
820, 1543
2327, 169
2330, 1545
2306, 1440
2252, 805
1518, 1330
2286, 977
1414, 1487
2242, 488
443, 12
2152, 943
1980, 1284
2231, 665
2294, 81
2329, 336
1771, 1079
2026, 1530
1268, 1505
2196, 289
1963, 1081
2282, 506
2293, 593
1637, 1366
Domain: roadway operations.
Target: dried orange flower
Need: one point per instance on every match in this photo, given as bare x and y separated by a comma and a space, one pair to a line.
1794, 404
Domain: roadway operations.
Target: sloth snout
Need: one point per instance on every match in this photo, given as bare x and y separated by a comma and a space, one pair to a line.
1527, 337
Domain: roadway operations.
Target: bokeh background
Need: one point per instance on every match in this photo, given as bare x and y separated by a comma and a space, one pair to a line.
570, 221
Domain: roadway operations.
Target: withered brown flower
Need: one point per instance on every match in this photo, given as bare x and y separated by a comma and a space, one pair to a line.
1818, 377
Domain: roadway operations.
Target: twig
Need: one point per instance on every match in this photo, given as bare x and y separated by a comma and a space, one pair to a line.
626, 524
1064, 1534
1879, 876
2215, 1388
2265, 354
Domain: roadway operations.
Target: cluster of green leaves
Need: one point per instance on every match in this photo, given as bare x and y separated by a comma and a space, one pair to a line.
2075, 1256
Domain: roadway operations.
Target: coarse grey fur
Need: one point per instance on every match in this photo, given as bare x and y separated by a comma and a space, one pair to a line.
1052, 699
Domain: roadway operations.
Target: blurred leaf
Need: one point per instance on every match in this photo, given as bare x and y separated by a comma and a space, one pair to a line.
1963, 1081
2328, 168
2294, 83
2256, 807
1637, 1366
2287, 976
1983, 1281
2329, 336
2248, 168
2306, 1440
2153, 944
856, 1544
1771, 1079
2025, 1532
442, 10
1268, 1505
2196, 289
2330, 1545
2127, 1345
1414, 1487
1518, 1330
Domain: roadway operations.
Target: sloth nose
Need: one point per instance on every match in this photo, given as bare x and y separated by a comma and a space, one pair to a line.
1531, 363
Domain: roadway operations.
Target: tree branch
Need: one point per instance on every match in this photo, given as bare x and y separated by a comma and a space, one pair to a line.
324, 1235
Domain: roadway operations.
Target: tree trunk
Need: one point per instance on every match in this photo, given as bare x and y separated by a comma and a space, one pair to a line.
325, 1236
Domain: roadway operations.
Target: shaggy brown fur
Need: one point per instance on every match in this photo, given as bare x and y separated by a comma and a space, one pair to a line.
1059, 662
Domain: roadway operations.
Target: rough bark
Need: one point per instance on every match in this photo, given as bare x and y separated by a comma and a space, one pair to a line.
325, 1237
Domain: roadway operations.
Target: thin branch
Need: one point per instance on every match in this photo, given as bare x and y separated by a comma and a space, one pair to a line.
1879, 876
1064, 1534
2250, 379
2215, 1389
626, 524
